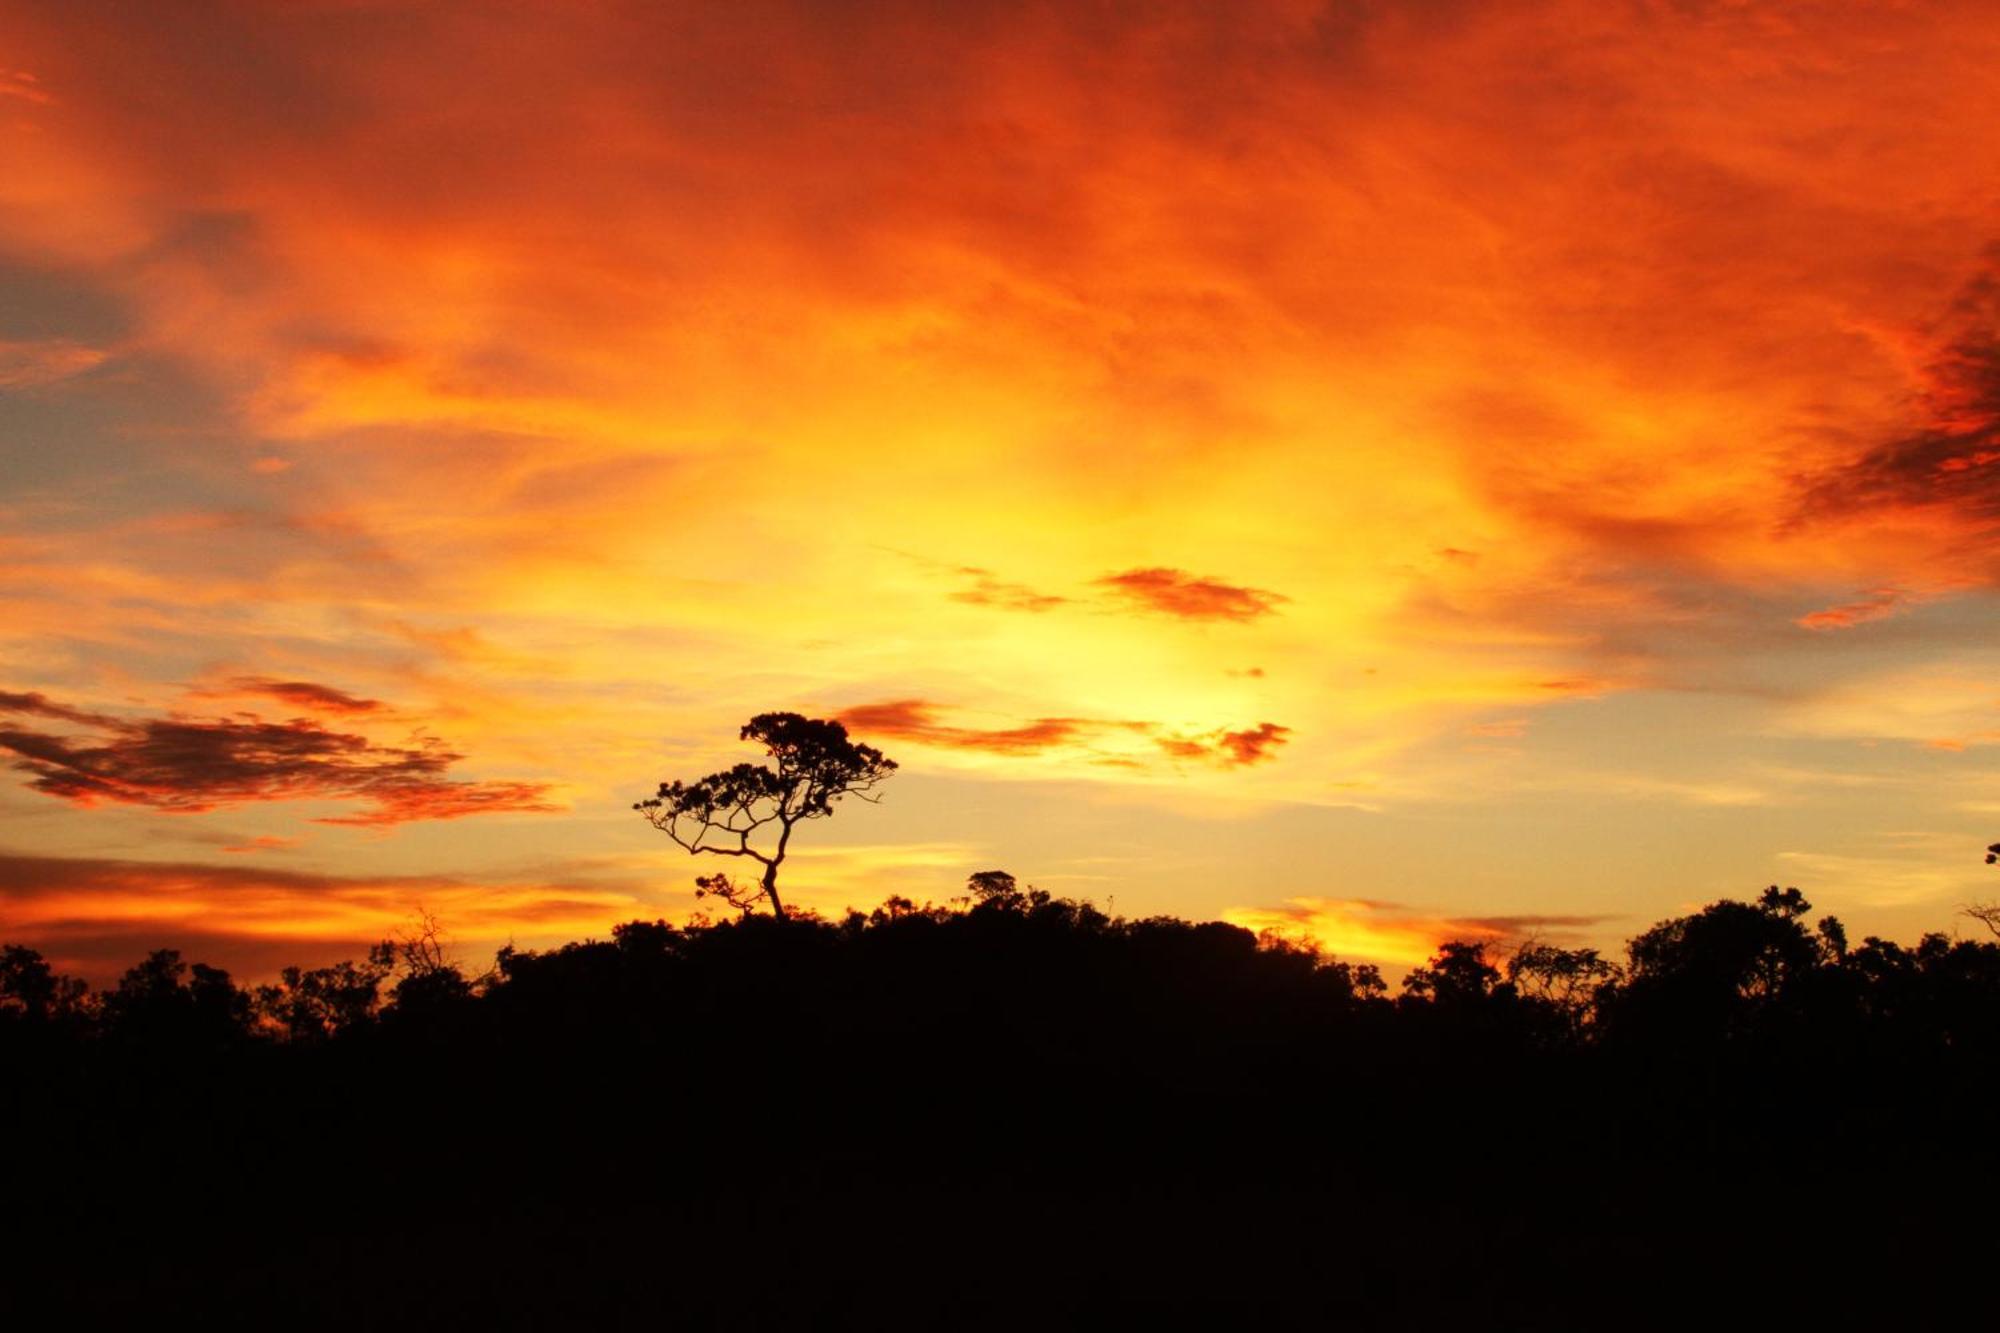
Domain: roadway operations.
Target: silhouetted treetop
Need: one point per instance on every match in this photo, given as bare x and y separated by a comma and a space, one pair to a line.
814, 766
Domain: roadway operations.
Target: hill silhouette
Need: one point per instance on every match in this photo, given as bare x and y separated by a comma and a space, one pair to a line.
1013, 1110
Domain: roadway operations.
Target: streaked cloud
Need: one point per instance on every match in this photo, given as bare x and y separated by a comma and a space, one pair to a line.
188, 766
305, 694
1110, 741
1175, 592
917, 720
28, 365
986, 590
96, 916
1882, 602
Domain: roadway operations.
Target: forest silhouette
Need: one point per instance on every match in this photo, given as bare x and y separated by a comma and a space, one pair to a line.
1013, 1109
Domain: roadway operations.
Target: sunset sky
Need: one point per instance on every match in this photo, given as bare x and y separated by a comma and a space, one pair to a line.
1390, 470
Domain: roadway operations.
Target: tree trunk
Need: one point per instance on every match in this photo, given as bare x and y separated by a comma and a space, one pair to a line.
771, 889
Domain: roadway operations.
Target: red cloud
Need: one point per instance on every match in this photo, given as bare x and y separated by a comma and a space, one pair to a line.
1176, 592
305, 694
1230, 749
28, 365
1950, 461
1881, 602
187, 766
268, 842
916, 720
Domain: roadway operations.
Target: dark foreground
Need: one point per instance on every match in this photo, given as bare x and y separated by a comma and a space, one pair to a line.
1021, 1115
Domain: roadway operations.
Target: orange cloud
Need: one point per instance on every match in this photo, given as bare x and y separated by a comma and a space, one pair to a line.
269, 842
27, 365
916, 720
1882, 602
1253, 745
1175, 592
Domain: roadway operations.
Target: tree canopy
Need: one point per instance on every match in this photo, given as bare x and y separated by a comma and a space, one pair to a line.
814, 765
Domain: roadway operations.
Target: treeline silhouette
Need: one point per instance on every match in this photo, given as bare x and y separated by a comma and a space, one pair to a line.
1015, 1109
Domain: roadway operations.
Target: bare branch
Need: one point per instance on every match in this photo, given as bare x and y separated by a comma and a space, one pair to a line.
1986, 914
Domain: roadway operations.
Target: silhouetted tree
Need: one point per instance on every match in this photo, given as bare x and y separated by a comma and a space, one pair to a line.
326, 1001
1565, 982
30, 988
1013, 1061
992, 886
1459, 974
165, 1002
815, 765
1725, 969
431, 979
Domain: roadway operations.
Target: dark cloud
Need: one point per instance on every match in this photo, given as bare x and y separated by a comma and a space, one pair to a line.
305, 694
40, 705
1176, 592
186, 766
1951, 459
986, 590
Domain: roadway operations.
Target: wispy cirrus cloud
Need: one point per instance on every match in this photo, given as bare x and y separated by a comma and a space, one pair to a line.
190, 765
988, 590
24, 86
1875, 606
1175, 592
31, 364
